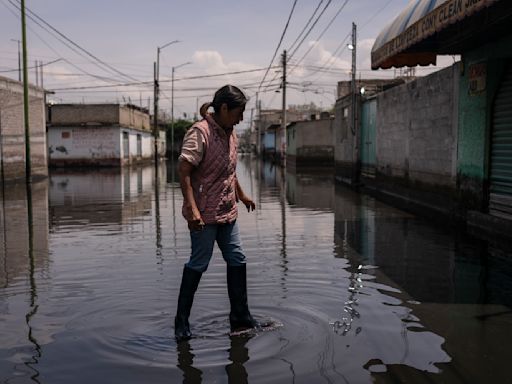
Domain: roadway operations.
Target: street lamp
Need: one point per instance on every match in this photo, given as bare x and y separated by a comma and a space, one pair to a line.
156, 91
172, 104
19, 58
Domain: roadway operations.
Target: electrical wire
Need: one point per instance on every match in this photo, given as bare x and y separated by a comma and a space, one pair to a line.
52, 48
279, 44
32, 15
307, 24
321, 34
310, 29
162, 81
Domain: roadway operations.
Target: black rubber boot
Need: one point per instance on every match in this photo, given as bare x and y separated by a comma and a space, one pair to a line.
240, 318
189, 283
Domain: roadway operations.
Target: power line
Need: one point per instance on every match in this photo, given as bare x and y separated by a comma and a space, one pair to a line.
330, 62
43, 65
279, 44
53, 49
162, 81
69, 40
307, 24
310, 29
321, 34
307, 34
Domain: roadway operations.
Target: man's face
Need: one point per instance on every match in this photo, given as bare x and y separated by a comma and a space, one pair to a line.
231, 117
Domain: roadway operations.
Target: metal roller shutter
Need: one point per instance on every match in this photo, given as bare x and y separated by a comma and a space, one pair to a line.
500, 199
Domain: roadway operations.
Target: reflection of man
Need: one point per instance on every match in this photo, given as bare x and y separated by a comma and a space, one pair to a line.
185, 363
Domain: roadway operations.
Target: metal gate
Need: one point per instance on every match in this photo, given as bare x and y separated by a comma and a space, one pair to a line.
500, 197
368, 126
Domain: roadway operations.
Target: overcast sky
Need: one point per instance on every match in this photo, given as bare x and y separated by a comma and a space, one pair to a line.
217, 37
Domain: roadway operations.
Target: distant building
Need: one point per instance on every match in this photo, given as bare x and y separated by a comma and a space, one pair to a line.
268, 129
311, 142
12, 131
100, 135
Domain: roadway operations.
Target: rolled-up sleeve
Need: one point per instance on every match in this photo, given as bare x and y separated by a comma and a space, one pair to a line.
192, 149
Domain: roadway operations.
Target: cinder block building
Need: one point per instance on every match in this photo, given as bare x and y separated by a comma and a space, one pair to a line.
100, 135
12, 131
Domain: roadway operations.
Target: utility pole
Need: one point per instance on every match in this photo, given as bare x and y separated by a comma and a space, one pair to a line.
155, 110
283, 137
172, 112
156, 92
353, 82
356, 153
28, 168
41, 74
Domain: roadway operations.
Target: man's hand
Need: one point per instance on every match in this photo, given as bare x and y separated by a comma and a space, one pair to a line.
249, 204
196, 223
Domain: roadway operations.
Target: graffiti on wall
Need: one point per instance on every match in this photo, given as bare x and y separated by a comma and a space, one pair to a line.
98, 142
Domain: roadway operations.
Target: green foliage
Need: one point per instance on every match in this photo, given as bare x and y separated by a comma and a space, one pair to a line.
180, 128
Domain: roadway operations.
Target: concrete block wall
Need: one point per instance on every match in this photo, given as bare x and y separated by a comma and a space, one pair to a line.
133, 118
345, 142
84, 114
12, 130
416, 136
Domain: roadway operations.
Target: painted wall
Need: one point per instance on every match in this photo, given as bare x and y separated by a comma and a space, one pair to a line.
12, 130
84, 146
475, 111
147, 144
93, 134
96, 146
269, 141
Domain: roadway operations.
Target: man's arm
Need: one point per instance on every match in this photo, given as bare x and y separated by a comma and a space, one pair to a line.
195, 222
249, 204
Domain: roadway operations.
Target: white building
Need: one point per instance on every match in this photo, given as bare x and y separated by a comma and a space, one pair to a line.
100, 135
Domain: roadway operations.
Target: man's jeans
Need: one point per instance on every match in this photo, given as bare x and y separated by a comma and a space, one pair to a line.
228, 240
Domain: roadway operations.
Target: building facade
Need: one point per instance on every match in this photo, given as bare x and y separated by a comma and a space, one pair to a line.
12, 131
310, 142
455, 126
100, 135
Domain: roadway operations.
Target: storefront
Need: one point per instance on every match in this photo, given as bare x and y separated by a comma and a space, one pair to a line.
478, 31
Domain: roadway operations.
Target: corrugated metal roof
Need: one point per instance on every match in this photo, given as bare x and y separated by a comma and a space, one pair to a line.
419, 20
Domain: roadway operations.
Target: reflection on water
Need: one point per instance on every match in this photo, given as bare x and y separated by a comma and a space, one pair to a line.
91, 264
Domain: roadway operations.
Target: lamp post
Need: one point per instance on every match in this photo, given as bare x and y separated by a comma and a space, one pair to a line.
156, 93
19, 58
172, 104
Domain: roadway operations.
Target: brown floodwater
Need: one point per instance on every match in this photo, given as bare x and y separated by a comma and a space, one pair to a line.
357, 291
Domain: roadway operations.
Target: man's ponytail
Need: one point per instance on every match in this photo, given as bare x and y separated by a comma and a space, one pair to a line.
203, 111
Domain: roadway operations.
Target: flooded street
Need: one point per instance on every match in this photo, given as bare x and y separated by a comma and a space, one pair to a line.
359, 291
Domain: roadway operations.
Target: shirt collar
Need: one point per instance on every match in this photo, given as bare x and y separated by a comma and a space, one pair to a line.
212, 122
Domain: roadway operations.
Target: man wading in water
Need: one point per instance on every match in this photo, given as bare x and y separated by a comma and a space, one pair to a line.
207, 169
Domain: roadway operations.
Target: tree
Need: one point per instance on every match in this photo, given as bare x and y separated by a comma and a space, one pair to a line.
181, 126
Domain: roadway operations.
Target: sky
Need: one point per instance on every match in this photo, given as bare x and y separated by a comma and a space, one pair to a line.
104, 50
